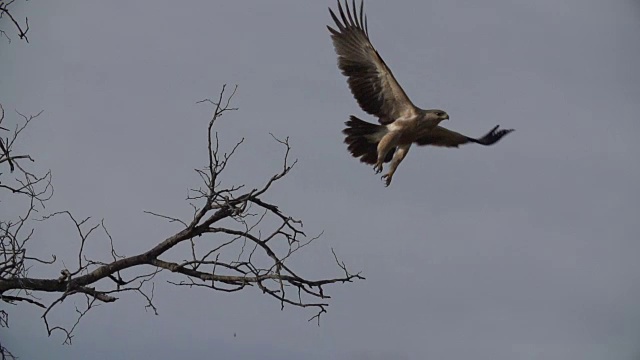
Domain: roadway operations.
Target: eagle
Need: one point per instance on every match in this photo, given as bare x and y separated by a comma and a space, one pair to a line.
378, 93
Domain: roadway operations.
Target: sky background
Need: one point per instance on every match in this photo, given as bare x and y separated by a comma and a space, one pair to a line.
524, 250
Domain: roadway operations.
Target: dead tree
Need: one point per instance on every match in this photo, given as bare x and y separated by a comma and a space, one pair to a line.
235, 239
27, 183
17, 185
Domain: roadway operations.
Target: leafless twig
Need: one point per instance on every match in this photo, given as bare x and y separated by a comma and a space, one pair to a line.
22, 29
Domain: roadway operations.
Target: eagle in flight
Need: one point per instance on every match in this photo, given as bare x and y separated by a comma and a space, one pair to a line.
378, 93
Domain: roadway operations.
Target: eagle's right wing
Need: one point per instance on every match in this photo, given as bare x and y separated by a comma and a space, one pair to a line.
370, 80
440, 136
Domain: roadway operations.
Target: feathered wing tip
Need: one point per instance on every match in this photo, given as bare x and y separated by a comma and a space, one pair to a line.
360, 138
493, 136
358, 21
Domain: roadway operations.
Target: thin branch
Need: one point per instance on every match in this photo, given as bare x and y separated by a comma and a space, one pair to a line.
22, 31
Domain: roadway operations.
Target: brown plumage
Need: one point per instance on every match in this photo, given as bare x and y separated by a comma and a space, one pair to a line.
378, 93
361, 137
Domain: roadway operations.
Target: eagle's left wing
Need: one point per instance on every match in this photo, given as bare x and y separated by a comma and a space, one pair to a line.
371, 81
440, 136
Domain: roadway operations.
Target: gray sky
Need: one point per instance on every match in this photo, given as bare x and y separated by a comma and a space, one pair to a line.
523, 250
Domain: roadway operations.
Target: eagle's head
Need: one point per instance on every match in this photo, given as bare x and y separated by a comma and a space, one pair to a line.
436, 115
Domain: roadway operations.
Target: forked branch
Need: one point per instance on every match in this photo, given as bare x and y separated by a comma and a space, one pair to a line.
22, 29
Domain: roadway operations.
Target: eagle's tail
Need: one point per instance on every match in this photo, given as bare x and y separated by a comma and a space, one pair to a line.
362, 138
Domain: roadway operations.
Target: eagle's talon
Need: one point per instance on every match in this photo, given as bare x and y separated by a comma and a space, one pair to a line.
377, 168
387, 179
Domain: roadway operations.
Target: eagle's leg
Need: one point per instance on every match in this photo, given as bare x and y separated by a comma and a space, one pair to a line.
399, 155
385, 145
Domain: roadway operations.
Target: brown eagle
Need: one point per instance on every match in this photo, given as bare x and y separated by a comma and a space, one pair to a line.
378, 93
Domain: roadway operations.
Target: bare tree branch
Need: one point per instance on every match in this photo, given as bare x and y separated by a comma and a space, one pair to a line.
236, 239
22, 29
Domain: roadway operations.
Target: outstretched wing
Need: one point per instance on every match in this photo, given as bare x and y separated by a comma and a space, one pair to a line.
440, 136
370, 80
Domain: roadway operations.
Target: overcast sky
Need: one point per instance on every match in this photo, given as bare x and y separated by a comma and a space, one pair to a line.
524, 250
